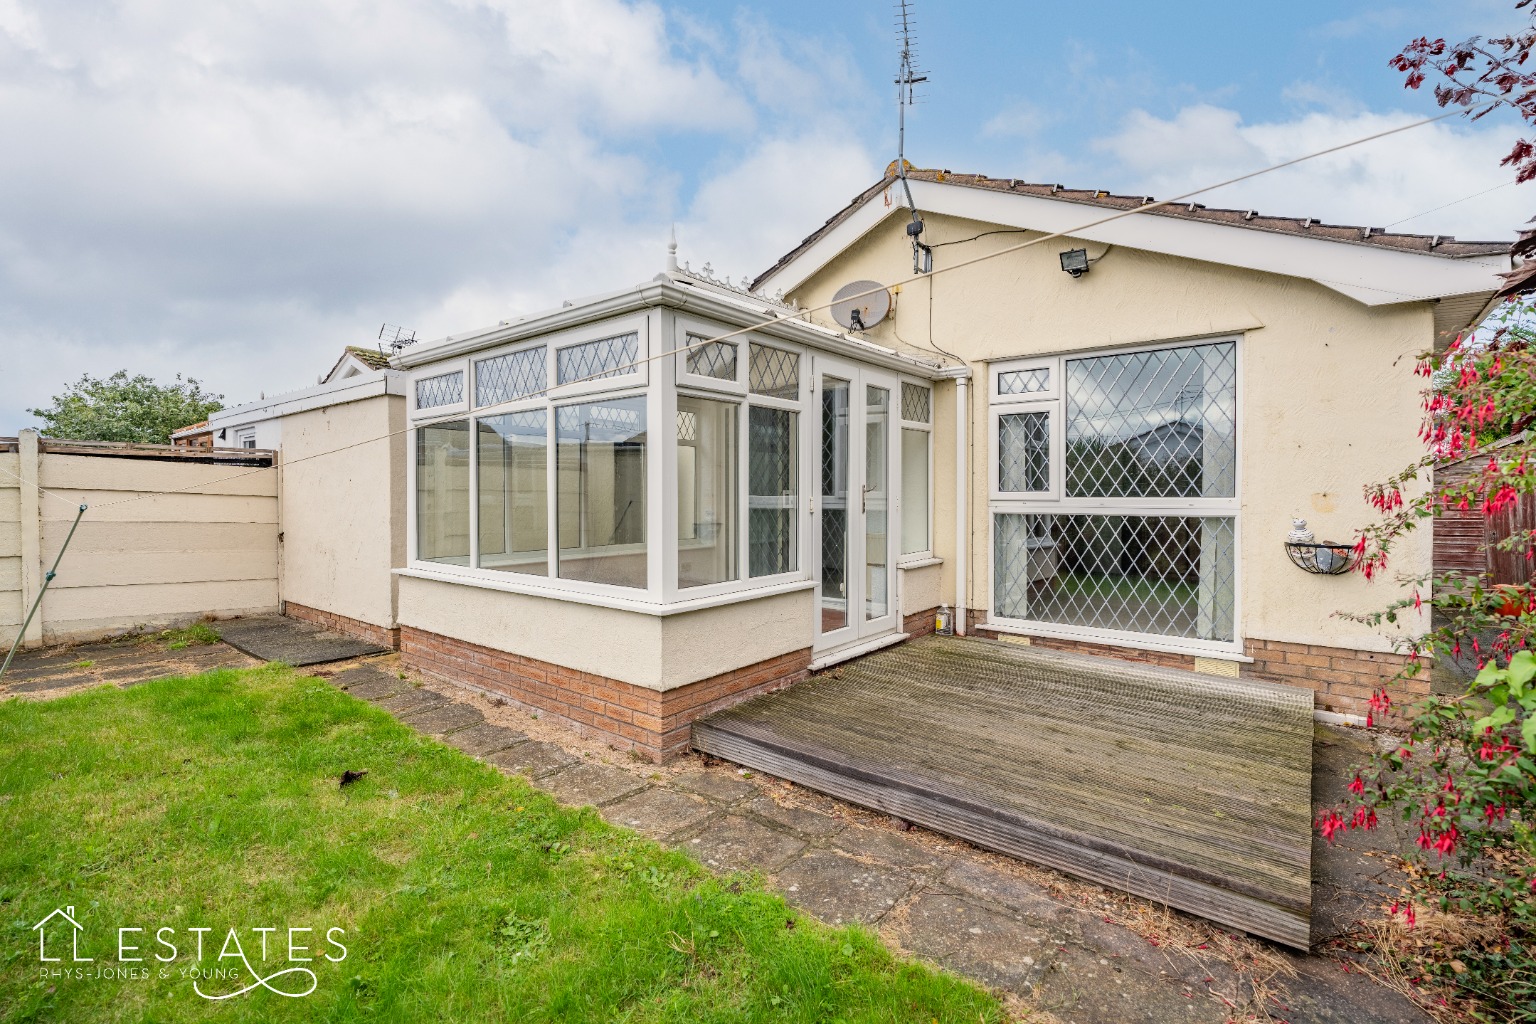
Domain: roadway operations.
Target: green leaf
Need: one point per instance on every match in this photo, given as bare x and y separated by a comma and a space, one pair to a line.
1522, 667
1528, 732
1501, 717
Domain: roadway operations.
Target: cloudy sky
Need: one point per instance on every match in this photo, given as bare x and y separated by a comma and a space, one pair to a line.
234, 190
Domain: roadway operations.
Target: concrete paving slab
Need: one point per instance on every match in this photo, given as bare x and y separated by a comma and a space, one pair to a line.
805, 823
479, 740
43, 684
592, 784
1082, 987
726, 787
995, 885
442, 719
412, 700
658, 813
837, 889
741, 844
275, 638
1324, 993
127, 675
999, 947
369, 683
889, 848
532, 759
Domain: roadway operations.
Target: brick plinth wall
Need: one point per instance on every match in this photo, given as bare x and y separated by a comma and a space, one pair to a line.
654, 723
384, 636
1342, 679
919, 623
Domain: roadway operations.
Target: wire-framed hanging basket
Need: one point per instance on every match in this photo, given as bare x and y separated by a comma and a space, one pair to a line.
1322, 558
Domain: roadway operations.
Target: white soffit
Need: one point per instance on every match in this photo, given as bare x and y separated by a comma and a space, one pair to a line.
1372, 275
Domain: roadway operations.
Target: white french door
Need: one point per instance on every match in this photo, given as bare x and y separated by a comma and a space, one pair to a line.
855, 512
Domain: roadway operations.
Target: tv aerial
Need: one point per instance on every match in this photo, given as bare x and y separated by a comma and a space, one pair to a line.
396, 338
906, 78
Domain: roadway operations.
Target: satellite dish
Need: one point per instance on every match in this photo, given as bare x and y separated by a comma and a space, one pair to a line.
863, 312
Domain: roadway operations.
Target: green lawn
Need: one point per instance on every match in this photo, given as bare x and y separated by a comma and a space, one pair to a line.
213, 802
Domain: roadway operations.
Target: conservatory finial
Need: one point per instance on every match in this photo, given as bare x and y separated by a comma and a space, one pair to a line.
672, 251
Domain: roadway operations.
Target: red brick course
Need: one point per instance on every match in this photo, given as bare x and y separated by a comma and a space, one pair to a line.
1342, 679
654, 723
920, 623
384, 636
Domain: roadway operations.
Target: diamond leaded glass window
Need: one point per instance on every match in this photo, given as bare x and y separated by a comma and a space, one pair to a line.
444, 389
512, 376
597, 360
707, 358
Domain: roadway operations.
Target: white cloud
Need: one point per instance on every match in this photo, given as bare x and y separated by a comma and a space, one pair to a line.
234, 191
1380, 183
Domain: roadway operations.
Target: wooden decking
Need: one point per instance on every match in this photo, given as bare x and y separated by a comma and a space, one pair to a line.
1187, 789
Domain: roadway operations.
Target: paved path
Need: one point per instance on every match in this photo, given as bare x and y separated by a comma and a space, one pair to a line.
1058, 949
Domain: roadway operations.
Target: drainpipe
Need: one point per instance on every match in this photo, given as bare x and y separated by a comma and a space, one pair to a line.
962, 378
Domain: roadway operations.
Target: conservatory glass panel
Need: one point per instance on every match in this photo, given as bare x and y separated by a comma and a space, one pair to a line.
707, 457
442, 493
600, 472
513, 455
773, 442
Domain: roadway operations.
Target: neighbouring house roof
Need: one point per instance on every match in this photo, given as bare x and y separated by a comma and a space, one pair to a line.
191, 430
1372, 265
371, 359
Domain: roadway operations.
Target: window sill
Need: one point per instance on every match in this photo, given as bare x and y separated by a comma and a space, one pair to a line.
1194, 650
605, 600
918, 562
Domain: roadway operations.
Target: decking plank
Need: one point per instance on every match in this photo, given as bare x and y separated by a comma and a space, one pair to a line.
1178, 787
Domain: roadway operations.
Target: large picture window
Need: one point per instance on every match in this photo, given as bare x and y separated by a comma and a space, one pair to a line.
1126, 523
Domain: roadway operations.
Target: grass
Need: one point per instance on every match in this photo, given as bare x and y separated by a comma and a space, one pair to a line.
213, 802
199, 634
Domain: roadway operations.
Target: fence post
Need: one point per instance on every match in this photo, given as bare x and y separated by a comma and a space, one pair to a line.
31, 527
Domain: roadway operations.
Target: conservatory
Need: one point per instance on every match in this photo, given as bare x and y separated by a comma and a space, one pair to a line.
675, 495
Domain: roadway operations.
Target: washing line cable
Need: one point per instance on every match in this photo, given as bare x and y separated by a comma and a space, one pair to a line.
805, 312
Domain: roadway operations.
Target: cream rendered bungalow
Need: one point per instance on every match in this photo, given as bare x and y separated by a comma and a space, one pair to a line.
648, 505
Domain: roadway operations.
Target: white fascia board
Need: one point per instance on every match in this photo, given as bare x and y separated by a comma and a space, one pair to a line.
678, 294
372, 384
1372, 275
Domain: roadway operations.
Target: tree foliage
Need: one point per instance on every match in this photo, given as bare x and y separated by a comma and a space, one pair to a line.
124, 408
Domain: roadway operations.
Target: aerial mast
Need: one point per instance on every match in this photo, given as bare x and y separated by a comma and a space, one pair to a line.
907, 77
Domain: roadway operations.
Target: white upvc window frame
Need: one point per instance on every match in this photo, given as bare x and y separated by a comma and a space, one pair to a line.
683, 327
661, 392
925, 555
1058, 503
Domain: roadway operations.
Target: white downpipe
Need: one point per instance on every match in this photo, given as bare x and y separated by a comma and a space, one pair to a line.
962, 494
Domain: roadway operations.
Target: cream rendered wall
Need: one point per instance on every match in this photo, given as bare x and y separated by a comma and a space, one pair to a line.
656, 652
11, 611
210, 548
343, 514
1328, 400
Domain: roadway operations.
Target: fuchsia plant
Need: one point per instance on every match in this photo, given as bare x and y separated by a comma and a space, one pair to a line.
1463, 776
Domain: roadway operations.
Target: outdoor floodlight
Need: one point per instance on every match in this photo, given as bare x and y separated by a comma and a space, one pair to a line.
1075, 262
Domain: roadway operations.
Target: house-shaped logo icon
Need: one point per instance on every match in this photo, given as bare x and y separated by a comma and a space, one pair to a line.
68, 914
